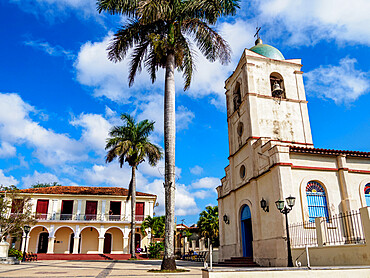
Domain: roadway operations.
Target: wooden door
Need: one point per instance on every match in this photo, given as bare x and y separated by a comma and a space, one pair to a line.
71, 242
137, 241
107, 243
43, 243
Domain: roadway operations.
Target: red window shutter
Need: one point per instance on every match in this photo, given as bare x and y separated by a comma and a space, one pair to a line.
140, 208
91, 207
42, 206
17, 206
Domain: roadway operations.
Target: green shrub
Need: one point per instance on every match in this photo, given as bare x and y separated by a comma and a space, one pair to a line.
155, 250
15, 253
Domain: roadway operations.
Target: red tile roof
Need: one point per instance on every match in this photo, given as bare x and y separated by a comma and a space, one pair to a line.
82, 190
297, 149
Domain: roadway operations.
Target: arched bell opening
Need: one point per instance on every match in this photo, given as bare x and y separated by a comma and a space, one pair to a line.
277, 85
237, 97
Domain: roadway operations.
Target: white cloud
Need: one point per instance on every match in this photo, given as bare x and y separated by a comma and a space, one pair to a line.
202, 194
37, 177
109, 79
184, 199
112, 175
302, 22
95, 130
51, 50
7, 150
17, 127
342, 83
207, 182
196, 170
6, 181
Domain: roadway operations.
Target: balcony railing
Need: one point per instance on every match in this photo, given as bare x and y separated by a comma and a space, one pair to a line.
85, 217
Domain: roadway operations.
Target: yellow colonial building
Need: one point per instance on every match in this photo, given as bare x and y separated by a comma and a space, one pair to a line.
85, 220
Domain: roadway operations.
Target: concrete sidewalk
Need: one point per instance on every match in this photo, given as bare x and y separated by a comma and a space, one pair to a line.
98, 269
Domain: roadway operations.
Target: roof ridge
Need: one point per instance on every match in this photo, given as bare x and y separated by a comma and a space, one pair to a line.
82, 190
304, 149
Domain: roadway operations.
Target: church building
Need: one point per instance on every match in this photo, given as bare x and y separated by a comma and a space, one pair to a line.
272, 157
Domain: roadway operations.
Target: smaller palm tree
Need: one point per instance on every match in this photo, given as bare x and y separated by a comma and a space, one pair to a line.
130, 143
156, 225
208, 223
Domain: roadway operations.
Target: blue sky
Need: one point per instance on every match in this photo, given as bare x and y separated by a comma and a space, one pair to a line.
59, 95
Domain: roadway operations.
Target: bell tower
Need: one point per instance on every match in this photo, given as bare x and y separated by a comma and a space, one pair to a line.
266, 99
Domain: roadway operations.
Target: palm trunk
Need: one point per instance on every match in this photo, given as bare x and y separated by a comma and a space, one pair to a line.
133, 211
168, 262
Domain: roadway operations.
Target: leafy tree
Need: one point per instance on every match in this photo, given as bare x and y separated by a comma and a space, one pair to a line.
15, 212
42, 185
155, 250
156, 224
130, 143
208, 224
159, 32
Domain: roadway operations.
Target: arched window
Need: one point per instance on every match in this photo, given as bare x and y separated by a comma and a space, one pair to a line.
367, 194
277, 85
316, 199
237, 97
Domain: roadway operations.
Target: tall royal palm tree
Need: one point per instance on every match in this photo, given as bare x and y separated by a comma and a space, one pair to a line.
160, 33
130, 143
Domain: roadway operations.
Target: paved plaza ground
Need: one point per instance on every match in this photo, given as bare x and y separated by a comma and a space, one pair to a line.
98, 269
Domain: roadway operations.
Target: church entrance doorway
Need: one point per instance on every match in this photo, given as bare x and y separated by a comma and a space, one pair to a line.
43, 243
247, 237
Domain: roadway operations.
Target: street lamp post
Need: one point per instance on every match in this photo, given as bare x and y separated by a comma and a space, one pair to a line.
280, 204
26, 230
183, 236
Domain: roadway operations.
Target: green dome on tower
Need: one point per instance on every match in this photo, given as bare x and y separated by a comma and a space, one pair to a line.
267, 50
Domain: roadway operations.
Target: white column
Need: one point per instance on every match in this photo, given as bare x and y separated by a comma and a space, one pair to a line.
201, 244
54, 209
51, 245
101, 245
193, 244
33, 205
76, 242
150, 209
103, 210
126, 249
79, 205
128, 210
25, 242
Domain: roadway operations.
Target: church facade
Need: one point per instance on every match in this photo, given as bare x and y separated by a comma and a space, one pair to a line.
272, 157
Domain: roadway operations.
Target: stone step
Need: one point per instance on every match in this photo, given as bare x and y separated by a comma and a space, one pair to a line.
239, 262
237, 265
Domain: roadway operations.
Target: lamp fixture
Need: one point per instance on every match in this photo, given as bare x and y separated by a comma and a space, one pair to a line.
226, 219
264, 205
280, 205
26, 230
